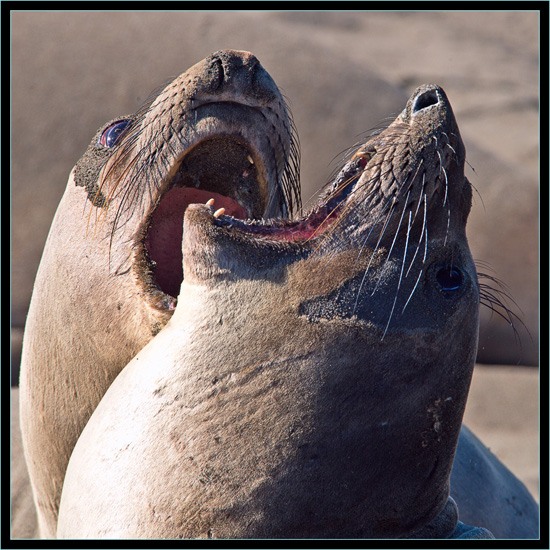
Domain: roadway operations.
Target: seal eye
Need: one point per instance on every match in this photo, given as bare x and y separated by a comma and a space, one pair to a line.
449, 278
111, 135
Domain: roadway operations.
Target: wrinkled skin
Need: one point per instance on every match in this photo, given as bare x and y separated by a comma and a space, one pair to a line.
337, 417
111, 267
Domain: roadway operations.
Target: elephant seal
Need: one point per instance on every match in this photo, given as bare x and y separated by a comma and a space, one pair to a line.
313, 377
111, 268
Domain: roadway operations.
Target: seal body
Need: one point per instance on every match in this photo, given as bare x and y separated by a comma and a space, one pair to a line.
489, 494
108, 281
337, 417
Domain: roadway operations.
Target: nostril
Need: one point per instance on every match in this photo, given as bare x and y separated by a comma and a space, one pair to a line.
424, 100
218, 74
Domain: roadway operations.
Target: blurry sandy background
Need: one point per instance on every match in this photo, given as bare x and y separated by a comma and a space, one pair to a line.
343, 73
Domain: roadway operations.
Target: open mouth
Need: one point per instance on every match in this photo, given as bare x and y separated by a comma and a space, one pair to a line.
314, 224
223, 171
227, 175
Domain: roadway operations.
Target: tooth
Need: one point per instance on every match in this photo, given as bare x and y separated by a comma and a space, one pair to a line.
250, 159
210, 202
219, 212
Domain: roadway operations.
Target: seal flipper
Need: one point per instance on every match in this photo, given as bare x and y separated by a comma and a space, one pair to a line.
443, 526
447, 526
464, 531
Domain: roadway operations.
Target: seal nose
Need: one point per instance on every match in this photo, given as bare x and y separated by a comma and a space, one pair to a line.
425, 99
428, 101
241, 70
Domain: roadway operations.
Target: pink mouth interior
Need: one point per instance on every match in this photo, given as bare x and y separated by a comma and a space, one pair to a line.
315, 224
301, 231
163, 240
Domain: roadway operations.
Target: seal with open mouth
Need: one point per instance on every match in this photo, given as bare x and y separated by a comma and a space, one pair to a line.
112, 266
337, 417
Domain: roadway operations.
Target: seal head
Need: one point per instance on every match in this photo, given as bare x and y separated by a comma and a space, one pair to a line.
339, 415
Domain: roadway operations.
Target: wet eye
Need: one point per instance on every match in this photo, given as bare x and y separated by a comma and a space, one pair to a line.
449, 278
111, 135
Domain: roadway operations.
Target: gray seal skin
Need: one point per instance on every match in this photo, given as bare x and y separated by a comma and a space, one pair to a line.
111, 268
489, 494
337, 417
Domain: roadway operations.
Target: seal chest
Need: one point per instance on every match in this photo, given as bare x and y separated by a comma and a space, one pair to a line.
247, 423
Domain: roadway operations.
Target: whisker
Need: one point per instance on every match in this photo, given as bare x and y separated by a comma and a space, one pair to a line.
412, 292
393, 242
390, 214
400, 275
422, 233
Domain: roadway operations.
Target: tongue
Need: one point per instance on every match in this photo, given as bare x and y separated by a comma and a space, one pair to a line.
163, 239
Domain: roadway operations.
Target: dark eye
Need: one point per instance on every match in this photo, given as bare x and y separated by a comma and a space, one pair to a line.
111, 135
449, 278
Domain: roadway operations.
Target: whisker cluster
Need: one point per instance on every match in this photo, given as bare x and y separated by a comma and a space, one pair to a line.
406, 191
